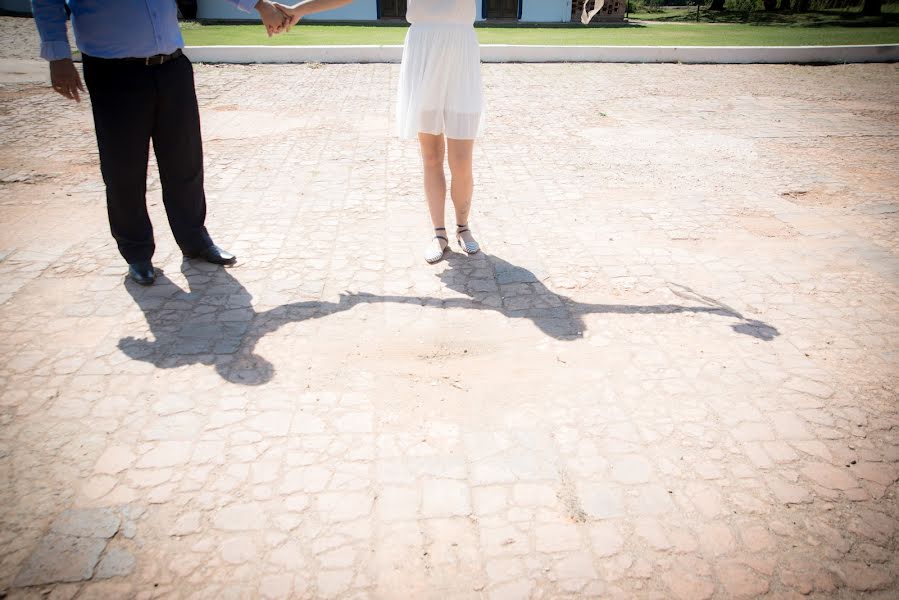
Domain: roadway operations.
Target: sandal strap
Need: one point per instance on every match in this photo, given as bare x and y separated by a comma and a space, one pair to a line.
462, 228
440, 237
440, 229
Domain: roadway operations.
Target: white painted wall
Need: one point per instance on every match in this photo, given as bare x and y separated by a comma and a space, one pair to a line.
535, 11
494, 53
360, 10
546, 11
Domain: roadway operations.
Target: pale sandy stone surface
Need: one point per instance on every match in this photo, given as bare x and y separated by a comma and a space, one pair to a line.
670, 374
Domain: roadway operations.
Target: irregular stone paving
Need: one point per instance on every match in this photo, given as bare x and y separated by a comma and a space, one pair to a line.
672, 373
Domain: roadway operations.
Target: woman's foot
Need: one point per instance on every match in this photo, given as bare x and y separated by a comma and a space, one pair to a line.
434, 251
466, 240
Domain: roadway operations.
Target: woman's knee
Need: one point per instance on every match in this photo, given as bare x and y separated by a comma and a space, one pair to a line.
432, 151
432, 160
460, 157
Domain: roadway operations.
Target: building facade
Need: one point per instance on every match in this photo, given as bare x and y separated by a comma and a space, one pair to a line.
525, 11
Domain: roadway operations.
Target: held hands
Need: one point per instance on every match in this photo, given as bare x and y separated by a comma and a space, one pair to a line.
65, 79
274, 17
292, 13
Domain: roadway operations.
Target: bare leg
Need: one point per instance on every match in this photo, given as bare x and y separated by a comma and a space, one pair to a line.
460, 163
433, 151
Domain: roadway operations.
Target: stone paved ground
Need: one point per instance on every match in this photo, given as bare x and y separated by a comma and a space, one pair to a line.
672, 373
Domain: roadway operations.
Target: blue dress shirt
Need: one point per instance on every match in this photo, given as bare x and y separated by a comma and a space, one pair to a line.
112, 28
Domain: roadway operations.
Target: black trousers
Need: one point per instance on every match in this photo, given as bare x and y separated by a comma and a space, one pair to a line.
134, 103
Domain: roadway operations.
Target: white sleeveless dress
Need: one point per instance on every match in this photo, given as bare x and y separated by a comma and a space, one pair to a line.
440, 78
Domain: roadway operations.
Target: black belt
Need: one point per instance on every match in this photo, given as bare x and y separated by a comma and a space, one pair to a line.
156, 59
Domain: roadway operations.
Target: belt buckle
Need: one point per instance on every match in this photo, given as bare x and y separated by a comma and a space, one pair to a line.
150, 60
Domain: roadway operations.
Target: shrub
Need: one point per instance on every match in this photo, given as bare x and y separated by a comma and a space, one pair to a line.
744, 6
645, 6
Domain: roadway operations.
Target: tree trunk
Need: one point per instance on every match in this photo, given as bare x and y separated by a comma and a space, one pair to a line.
802, 6
871, 8
716, 5
784, 5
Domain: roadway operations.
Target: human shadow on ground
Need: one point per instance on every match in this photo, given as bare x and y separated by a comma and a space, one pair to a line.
214, 321
517, 293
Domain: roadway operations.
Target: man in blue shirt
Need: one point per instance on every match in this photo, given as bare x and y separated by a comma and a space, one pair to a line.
142, 88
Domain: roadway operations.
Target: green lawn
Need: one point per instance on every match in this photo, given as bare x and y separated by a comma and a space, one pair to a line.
656, 34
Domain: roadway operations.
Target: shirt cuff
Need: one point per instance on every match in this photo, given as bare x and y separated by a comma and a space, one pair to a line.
247, 5
55, 50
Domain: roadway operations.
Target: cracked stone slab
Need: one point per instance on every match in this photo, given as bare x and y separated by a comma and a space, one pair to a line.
115, 563
87, 522
61, 559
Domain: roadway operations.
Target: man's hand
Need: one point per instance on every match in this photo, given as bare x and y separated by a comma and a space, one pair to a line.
65, 78
274, 20
293, 13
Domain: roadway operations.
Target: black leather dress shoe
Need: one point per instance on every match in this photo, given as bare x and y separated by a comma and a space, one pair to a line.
215, 255
142, 272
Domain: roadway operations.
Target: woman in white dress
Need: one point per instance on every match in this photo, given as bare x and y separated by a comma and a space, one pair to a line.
440, 101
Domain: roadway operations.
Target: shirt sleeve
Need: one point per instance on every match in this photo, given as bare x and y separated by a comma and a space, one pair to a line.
50, 18
244, 5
